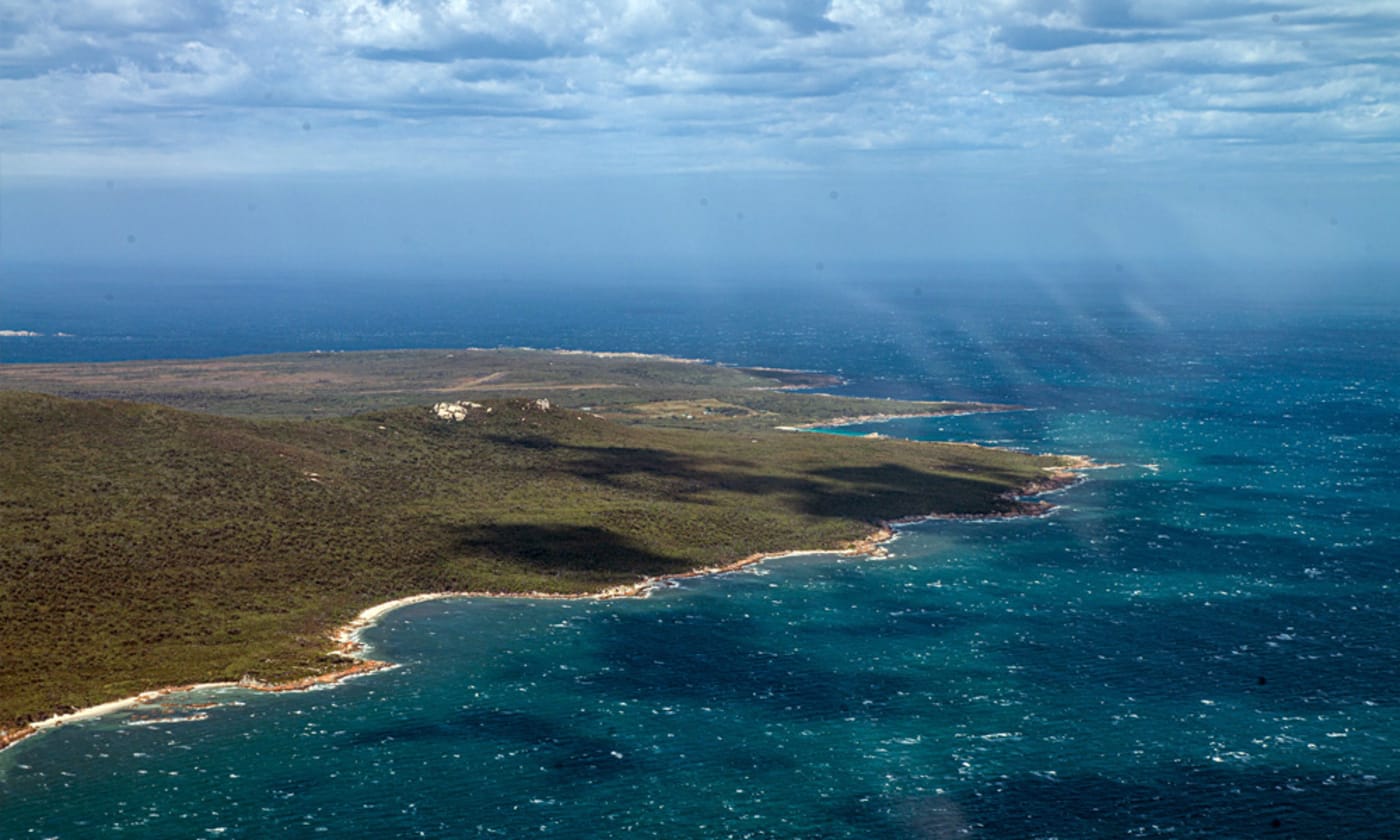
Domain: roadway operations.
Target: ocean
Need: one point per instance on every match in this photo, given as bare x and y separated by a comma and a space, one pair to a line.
1201, 641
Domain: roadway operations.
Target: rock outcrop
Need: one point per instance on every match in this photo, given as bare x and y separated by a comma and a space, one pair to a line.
456, 411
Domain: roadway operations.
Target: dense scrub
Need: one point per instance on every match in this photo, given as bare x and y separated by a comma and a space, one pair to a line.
143, 546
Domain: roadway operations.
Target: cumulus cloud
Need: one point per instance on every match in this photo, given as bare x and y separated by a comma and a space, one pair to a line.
609, 85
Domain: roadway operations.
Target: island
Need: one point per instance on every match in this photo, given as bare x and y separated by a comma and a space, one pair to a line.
193, 521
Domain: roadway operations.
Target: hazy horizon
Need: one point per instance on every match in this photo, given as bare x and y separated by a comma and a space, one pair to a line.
802, 133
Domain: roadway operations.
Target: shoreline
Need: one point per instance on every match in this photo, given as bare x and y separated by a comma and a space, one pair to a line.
358, 667
347, 640
856, 420
347, 637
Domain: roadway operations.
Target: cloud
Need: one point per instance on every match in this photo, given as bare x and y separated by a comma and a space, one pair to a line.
123, 17
560, 85
1045, 38
467, 47
804, 17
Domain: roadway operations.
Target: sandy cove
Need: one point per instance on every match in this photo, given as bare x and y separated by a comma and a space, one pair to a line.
359, 666
347, 637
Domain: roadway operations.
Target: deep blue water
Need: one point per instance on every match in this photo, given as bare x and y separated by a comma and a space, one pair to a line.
1203, 642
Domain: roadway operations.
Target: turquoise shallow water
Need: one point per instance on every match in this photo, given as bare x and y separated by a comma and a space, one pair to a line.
1201, 642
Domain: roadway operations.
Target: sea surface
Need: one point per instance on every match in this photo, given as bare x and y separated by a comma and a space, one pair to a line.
1201, 642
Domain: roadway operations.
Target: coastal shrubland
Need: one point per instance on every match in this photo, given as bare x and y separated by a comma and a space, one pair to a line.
630, 388
146, 546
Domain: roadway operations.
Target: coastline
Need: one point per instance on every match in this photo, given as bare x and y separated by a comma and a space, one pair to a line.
604, 354
837, 422
358, 667
347, 638
348, 643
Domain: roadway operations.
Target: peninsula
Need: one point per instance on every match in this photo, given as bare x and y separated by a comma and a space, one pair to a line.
177, 522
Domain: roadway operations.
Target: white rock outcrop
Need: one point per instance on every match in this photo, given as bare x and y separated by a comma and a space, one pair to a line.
454, 411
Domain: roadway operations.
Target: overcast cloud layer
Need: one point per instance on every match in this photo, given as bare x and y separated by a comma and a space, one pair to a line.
196, 87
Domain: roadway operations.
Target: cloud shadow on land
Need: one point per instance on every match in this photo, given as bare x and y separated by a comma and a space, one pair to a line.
549, 548
892, 490
868, 493
633, 468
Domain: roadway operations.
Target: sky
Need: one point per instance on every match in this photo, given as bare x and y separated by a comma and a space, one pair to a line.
442, 130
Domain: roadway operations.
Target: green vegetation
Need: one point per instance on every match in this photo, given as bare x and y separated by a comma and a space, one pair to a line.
625, 387
144, 546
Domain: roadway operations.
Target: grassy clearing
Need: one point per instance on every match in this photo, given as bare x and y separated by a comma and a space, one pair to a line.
629, 388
